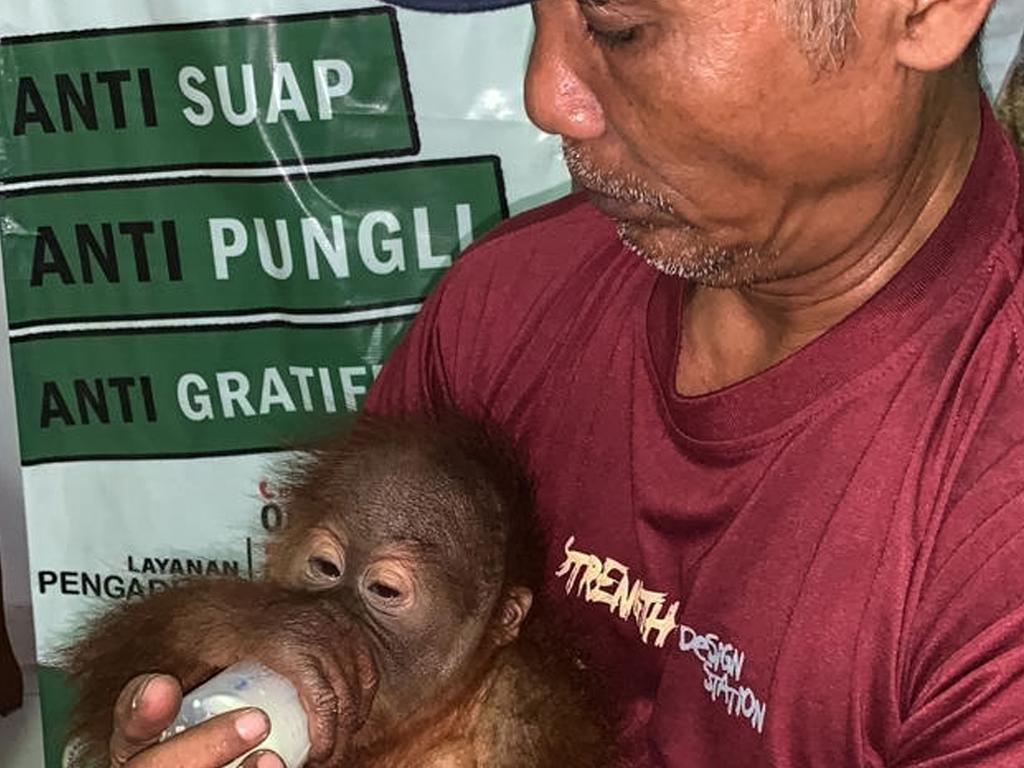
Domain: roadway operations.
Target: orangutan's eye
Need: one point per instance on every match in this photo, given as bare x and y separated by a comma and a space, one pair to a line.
323, 571
325, 560
388, 587
384, 591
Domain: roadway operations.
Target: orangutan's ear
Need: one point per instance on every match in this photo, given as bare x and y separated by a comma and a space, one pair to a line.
515, 604
936, 33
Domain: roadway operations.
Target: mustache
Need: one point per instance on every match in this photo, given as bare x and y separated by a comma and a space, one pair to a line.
616, 184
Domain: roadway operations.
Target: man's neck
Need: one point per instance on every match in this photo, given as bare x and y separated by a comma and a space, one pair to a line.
732, 334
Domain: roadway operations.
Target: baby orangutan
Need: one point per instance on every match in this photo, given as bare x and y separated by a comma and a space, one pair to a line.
395, 600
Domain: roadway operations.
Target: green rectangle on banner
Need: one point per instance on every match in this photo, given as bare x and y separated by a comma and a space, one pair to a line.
192, 392
56, 700
239, 93
308, 243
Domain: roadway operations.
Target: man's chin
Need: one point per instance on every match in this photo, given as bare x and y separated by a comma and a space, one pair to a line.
681, 251
630, 211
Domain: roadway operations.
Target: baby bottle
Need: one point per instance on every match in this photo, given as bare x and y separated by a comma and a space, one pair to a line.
248, 684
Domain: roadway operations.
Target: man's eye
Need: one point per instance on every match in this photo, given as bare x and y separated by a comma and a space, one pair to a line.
612, 38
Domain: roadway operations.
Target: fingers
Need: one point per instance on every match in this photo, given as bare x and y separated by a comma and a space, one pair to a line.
330, 691
318, 698
212, 744
149, 703
358, 679
262, 760
145, 707
369, 678
352, 677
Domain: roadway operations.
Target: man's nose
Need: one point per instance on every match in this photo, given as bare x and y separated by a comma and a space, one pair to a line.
558, 100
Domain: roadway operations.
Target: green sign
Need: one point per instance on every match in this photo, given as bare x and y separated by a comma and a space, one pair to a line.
206, 390
57, 698
226, 94
311, 242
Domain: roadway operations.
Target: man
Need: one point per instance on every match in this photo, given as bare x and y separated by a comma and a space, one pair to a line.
781, 462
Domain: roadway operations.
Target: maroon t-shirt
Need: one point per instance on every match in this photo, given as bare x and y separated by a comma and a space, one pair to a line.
822, 565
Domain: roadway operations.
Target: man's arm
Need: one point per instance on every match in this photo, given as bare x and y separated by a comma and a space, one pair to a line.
414, 377
964, 670
432, 367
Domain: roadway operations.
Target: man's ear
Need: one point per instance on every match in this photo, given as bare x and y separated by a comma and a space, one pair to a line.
515, 604
936, 33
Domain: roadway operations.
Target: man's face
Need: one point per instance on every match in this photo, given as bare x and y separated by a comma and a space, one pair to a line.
704, 130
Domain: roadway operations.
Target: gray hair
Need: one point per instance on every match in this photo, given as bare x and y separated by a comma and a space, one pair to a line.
822, 28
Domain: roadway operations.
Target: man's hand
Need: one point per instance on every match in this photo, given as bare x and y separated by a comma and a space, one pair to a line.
148, 705
312, 642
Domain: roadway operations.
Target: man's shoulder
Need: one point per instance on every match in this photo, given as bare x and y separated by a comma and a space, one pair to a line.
551, 220
544, 242
509, 305
539, 284
554, 266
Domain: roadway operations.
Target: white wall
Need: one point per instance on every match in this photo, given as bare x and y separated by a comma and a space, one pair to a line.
1002, 38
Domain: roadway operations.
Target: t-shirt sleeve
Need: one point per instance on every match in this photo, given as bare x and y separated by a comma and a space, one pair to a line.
964, 673
438, 363
414, 378
484, 337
